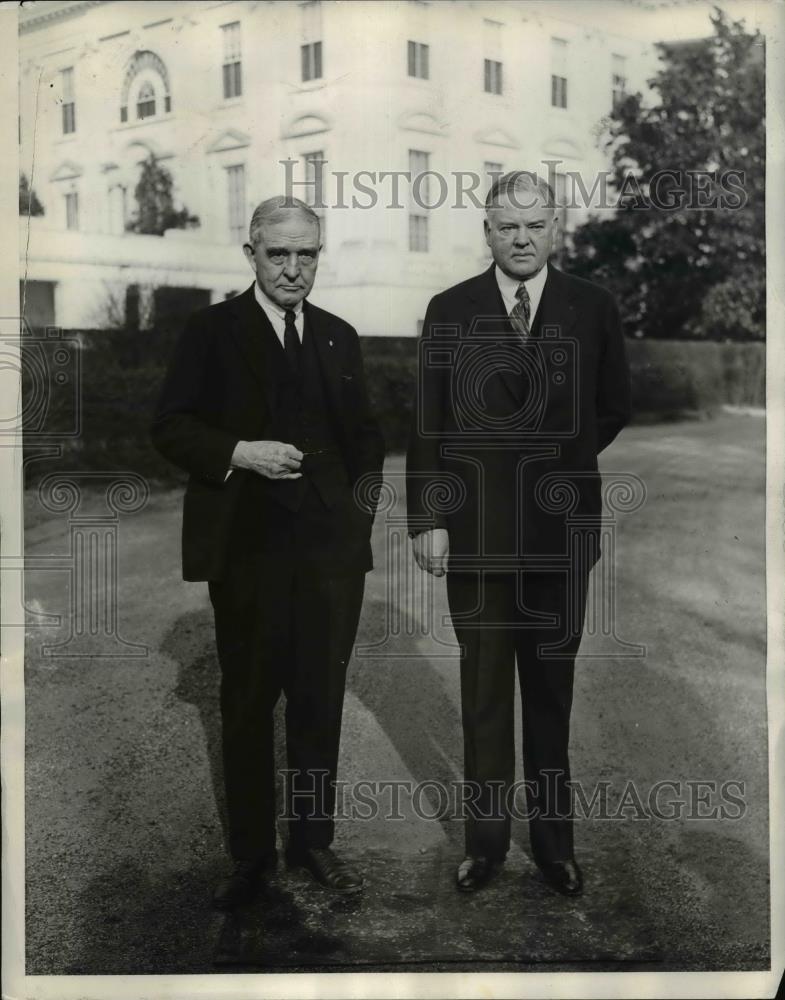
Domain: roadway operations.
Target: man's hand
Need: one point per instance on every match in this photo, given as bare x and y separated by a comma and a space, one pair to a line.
431, 549
272, 459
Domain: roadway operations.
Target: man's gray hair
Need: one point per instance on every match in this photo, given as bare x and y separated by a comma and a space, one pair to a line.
274, 210
520, 181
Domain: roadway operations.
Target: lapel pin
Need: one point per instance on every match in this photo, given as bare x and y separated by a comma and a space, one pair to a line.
330, 343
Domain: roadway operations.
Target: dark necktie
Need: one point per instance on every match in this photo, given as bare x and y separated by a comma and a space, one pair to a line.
519, 317
291, 342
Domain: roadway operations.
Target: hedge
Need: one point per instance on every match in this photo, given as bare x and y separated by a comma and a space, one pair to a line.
122, 370
677, 378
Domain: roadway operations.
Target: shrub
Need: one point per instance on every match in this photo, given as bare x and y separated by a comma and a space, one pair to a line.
672, 379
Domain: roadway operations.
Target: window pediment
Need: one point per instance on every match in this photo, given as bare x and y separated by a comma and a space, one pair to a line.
562, 145
421, 121
497, 137
229, 139
67, 171
306, 125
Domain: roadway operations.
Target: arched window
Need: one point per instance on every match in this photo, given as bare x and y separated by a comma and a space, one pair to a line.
145, 87
145, 100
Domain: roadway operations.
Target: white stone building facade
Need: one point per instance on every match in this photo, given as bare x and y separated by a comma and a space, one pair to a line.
223, 93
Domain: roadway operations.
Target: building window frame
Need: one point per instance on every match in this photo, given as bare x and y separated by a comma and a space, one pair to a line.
232, 68
72, 210
144, 67
562, 207
493, 81
419, 222
68, 100
418, 233
235, 201
145, 100
311, 65
313, 193
418, 60
559, 79
618, 80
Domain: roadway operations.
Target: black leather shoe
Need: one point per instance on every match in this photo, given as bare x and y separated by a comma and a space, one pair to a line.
563, 876
326, 867
243, 885
475, 872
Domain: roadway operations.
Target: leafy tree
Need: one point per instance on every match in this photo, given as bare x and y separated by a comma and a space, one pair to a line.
155, 211
28, 200
693, 264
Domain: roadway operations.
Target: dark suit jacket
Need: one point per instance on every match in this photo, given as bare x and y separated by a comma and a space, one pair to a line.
505, 434
218, 391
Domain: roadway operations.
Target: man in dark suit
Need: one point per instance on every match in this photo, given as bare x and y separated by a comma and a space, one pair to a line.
523, 381
265, 406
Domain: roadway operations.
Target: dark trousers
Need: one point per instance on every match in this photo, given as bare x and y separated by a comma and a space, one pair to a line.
282, 623
499, 619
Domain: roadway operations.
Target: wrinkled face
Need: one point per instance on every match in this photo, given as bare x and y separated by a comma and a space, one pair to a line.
285, 258
520, 233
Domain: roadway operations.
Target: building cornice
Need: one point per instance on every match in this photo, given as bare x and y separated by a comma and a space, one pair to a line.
36, 16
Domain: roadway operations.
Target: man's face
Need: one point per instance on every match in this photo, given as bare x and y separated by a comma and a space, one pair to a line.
285, 258
520, 238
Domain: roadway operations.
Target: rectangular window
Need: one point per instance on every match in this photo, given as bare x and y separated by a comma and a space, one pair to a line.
493, 170
558, 73
417, 59
418, 233
419, 163
311, 61
311, 38
232, 64
235, 181
314, 175
69, 104
314, 192
72, 210
560, 191
493, 77
492, 48
618, 80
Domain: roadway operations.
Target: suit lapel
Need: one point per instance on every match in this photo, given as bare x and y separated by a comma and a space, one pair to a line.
319, 331
488, 313
489, 317
556, 310
248, 330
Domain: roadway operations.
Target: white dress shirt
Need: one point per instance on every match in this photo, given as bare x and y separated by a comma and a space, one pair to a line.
277, 314
509, 286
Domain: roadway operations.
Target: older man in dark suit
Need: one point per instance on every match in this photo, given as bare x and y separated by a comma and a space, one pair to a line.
523, 381
265, 406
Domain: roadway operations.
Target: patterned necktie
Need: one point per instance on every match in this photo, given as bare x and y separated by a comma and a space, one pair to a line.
291, 342
519, 317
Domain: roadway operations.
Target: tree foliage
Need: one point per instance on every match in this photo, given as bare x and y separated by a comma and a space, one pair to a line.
28, 200
155, 211
685, 253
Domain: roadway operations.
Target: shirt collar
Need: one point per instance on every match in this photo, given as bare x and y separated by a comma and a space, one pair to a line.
509, 286
272, 307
